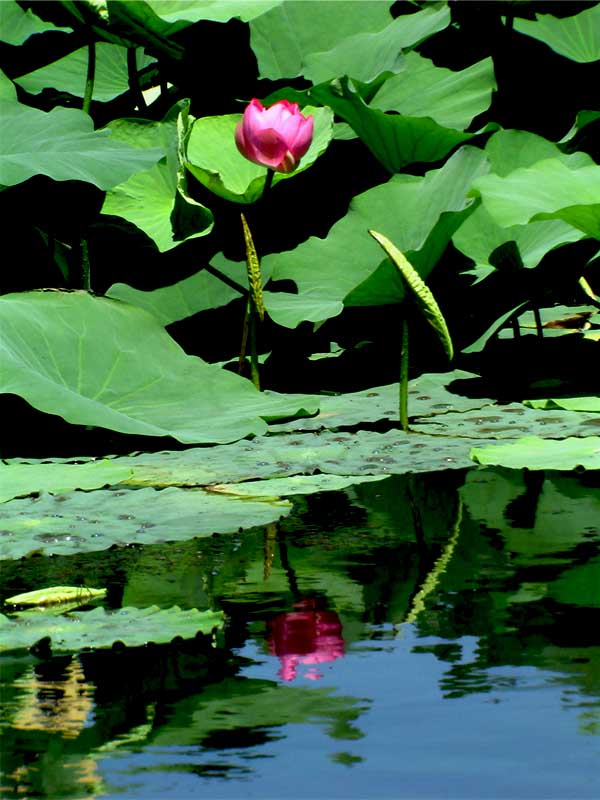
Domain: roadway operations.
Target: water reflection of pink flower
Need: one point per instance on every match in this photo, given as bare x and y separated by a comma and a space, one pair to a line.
305, 636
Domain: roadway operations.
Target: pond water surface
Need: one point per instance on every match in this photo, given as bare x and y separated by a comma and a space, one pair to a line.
422, 637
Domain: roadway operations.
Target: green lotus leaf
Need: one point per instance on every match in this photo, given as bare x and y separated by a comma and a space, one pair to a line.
569, 403
55, 594
547, 190
63, 145
18, 480
96, 361
98, 628
213, 158
452, 99
156, 200
330, 269
534, 452
81, 522
576, 37
16, 25
68, 74
286, 35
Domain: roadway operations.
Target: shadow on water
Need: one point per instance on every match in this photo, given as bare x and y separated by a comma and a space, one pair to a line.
424, 636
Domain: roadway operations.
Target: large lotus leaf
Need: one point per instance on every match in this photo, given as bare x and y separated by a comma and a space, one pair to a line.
17, 479
479, 235
16, 25
98, 628
509, 422
582, 120
418, 214
63, 145
96, 361
68, 74
298, 484
509, 150
547, 190
365, 56
199, 292
284, 37
452, 99
215, 10
213, 158
80, 522
576, 37
394, 139
156, 200
568, 403
533, 452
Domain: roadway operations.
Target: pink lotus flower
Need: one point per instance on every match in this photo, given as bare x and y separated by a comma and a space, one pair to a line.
307, 636
276, 137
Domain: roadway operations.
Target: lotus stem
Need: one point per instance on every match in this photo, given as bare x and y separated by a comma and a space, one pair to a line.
403, 410
538, 322
85, 264
134, 79
90, 77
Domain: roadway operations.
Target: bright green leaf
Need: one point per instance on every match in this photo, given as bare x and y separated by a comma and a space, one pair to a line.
55, 594
101, 362
452, 99
99, 628
213, 158
547, 190
535, 453
576, 37
394, 139
16, 25
68, 74
17, 480
418, 214
569, 403
63, 145
283, 37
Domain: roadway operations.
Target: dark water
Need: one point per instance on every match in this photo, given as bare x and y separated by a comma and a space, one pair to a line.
427, 637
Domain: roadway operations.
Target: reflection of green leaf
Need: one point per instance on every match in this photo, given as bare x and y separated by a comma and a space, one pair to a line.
579, 585
99, 629
536, 453
64, 145
213, 158
101, 362
418, 214
242, 703
68, 74
394, 139
283, 37
84, 522
16, 25
450, 98
576, 37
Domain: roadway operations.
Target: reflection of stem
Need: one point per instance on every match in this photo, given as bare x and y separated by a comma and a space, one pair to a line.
89, 78
288, 569
404, 377
269, 549
439, 567
538, 322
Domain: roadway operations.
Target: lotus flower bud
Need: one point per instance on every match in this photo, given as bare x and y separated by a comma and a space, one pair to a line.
276, 137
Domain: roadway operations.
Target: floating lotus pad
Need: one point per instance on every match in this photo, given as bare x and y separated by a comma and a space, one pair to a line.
99, 628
